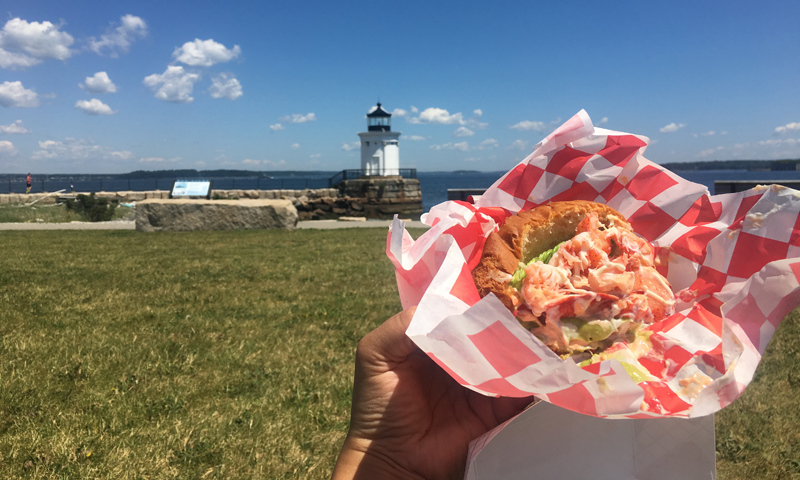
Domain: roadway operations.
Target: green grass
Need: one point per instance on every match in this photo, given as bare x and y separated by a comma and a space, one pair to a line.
758, 435
176, 355
230, 355
40, 213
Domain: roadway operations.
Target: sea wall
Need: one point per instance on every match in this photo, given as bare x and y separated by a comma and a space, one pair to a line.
377, 197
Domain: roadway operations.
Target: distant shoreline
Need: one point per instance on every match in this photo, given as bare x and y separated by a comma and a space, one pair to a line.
749, 165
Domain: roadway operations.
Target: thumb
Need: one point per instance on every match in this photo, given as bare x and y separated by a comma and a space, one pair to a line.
388, 344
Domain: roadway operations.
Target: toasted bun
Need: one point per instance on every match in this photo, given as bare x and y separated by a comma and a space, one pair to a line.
526, 235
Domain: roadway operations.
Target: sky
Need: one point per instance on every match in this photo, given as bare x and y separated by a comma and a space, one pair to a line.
113, 87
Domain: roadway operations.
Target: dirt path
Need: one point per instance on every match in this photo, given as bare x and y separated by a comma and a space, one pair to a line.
130, 225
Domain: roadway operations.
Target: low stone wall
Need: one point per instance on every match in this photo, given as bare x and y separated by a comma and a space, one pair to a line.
135, 196
375, 197
183, 215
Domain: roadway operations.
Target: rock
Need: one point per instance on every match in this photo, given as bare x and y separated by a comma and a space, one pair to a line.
136, 196
154, 215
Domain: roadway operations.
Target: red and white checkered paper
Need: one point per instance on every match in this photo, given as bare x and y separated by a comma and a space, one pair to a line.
735, 256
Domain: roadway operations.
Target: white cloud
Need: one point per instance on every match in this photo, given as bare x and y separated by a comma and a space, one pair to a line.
276, 126
204, 53
774, 142
299, 118
7, 148
399, 112
414, 138
158, 160
16, 60
710, 133
118, 40
98, 83
488, 143
672, 127
14, 128
264, 163
23, 44
464, 146
77, 149
438, 116
463, 132
788, 127
349, 147
225, 85
295, 146
519, 144
773, 148
174, 85
602, 121
529, 125
13, 94
94, 107
461, 146
708, 152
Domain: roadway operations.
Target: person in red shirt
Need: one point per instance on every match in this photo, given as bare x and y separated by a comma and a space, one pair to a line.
28, 183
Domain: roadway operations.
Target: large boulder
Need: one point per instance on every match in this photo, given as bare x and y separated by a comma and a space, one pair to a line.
154, 215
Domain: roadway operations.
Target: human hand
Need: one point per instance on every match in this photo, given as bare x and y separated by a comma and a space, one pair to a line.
409, 418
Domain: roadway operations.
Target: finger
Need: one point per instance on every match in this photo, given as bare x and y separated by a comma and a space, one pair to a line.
389, 343
506, 408
494, 411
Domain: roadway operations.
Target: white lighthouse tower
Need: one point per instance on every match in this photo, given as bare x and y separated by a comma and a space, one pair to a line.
380, 153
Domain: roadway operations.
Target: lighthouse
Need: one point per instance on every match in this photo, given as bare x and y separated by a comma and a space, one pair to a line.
380, 153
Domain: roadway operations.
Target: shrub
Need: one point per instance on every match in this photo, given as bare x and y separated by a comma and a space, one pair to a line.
92, 208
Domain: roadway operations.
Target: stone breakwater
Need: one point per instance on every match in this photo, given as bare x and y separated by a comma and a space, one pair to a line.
374, 198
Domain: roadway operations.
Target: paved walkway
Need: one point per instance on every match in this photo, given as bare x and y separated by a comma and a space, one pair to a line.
130, 225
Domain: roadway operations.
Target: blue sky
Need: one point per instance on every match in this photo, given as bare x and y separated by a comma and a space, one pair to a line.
111, 87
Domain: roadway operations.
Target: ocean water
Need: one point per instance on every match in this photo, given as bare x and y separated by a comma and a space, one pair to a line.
434, 185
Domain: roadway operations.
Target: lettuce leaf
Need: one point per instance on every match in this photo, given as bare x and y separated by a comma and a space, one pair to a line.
544, 257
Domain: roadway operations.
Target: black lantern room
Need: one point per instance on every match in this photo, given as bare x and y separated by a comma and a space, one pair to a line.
379, 120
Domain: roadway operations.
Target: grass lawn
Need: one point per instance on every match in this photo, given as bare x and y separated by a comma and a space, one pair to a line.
230, 355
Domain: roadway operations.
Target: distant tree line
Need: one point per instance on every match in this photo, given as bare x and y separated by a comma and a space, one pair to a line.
191, 173
773, 165
172, 174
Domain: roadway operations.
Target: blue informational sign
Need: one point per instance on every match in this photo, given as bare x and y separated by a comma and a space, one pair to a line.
191, 188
